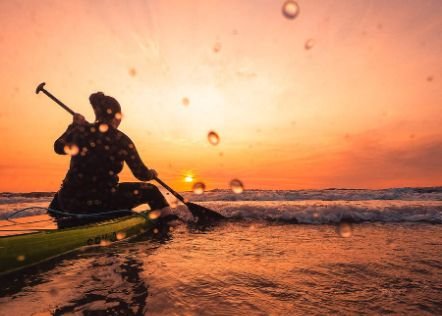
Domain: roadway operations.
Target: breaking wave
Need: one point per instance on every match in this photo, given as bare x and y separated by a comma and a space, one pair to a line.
329, 212
294, 206
406, 194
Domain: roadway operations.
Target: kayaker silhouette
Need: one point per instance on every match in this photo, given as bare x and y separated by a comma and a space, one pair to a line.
98, 151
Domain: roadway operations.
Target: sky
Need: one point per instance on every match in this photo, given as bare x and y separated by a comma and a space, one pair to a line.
361, 107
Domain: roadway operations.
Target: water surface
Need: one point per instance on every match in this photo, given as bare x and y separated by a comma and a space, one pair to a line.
251, 267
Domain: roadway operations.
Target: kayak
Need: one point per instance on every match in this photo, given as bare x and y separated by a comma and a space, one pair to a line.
28, 245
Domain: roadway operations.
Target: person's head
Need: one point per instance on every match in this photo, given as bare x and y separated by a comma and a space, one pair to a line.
107, 109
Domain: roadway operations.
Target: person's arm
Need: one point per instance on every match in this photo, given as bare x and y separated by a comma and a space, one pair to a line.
64, 139
136, 165
67, 136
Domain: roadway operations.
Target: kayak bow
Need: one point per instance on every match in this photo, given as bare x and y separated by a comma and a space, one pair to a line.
32, 247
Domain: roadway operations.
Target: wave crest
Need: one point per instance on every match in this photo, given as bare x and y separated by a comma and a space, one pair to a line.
325, 212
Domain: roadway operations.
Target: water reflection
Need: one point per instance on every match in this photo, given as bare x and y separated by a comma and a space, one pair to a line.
242, 268
96, 281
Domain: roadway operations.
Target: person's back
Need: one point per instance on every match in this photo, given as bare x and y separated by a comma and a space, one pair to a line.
98, 152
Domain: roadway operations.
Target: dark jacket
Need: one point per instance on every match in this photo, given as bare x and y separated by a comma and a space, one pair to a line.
98, 152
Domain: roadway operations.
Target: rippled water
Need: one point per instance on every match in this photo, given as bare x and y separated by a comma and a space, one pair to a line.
247, 267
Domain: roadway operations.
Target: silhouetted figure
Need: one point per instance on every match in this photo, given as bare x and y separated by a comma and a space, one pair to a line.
98, 152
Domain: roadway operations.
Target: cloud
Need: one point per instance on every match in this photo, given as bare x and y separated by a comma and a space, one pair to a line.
370, 160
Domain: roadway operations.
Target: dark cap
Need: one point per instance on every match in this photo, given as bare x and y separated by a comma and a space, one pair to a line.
105, 107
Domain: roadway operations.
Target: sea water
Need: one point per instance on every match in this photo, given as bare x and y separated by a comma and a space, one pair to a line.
280, 253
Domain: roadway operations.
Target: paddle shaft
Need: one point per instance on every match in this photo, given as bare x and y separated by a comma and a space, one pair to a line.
51, 96
168, 188
70, 111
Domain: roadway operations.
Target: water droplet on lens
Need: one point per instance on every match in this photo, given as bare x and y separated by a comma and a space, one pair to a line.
185, 101
121, 235
237, 186
132, 72
173, 203
155, 214
105, 243
71, 150
345, 229
217, 47
213, 138
290, 9
53, 291
309, 44
199, 188
103, 128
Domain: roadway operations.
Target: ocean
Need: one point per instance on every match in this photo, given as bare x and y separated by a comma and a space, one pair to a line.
283, 252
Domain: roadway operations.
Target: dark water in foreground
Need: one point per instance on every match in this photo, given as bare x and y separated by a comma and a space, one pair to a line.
253, 268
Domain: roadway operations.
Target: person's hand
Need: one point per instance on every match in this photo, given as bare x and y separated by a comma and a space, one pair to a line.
153, 173
79, 119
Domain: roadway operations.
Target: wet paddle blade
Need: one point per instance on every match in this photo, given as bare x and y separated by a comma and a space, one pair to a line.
203, 214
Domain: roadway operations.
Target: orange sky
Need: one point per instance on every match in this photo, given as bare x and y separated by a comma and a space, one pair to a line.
362, 108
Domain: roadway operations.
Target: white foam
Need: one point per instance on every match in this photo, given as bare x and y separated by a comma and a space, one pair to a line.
326, 212
301, 206
407, 194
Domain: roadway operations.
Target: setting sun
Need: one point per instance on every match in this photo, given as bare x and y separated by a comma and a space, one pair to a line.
188, 178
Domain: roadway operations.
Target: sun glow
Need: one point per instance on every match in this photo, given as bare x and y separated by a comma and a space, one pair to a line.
188, 178
286, 111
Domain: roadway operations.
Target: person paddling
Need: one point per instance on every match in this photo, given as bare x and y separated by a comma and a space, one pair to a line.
98, 151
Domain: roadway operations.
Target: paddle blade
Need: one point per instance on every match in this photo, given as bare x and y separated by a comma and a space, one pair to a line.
203, 214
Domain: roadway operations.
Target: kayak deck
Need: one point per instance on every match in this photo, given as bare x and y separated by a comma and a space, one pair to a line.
30, 247
25, 225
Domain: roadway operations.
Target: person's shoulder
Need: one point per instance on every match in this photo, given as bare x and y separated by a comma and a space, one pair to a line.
86, 128
122, 137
